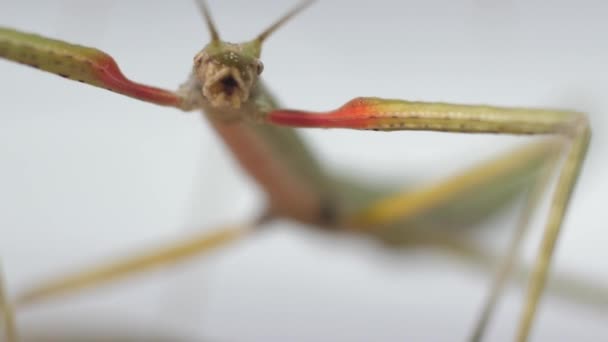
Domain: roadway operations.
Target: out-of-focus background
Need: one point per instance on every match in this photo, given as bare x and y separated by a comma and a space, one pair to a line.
87, 175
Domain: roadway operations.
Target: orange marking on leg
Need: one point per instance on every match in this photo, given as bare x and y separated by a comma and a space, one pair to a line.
110, 75
358, 113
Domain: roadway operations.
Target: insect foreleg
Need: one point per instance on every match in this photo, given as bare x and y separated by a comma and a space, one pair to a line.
398, 115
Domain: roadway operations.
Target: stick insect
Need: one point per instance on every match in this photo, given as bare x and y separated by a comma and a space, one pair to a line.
225, 99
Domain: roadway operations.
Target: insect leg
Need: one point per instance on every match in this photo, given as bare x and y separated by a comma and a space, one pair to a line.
499, 282
166, 255
399, 115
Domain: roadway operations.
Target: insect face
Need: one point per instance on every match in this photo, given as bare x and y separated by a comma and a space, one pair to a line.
227, 73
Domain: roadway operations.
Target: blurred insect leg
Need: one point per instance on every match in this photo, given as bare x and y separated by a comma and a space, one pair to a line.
472, 186
147, 260
399, 115
565, 285
533, 196
8, 327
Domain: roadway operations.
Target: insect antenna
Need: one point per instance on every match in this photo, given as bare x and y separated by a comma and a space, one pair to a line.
215, 36
303, 5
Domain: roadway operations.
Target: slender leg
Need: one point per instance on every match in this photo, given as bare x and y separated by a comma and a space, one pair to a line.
534, 162
398, 115
147, 260
563, 192
511, 257
7, 324
490, 183
565, 285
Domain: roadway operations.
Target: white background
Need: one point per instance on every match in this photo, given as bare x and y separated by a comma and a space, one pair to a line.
87, 175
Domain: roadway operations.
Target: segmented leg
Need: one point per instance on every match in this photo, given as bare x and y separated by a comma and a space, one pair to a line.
563, 192
145, 261
499, 282
467, 196
565, 285
396, 115
526, 168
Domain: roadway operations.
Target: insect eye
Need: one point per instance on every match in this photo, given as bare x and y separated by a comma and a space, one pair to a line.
260, 67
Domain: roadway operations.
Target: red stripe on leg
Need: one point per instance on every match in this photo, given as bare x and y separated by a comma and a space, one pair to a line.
110, 75
357, 113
